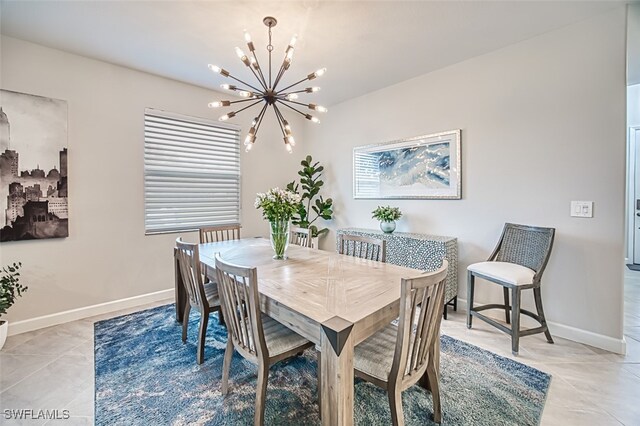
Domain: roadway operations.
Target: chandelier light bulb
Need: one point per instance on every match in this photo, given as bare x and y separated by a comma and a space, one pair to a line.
312, 118
228, 86
291, 140
245, 94
219, 70
218, 104
293, 40
320, 72
312, 89
287, 145
247, 36
292, 96
250, 139
248, 148
239, 52
318, 108
227, 116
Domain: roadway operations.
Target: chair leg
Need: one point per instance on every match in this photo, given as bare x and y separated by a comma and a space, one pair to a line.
221, 317
202, 334
506, 304
395, 403
444, 311
537, 295
434, 385
515, 320
455, 304
470, 290
185, 321
261, 393
226, 366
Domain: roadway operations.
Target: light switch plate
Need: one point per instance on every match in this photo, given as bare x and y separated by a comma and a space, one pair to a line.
582, 208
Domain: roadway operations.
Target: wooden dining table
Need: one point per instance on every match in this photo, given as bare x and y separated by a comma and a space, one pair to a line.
333, 300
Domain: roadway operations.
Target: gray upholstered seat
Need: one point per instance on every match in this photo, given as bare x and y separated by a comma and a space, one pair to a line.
374, 356
279, 338
211, 293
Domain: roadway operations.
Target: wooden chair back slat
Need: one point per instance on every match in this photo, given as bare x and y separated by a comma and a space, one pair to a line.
421, 304
189, 264
300, 237
362, 247
213, 234
240, 303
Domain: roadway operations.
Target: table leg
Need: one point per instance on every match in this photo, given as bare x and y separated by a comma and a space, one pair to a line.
337, 372
180, 294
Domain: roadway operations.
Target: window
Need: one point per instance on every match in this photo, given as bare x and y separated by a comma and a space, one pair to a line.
191, 172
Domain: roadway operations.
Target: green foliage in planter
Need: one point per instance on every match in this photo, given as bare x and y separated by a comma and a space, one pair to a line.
386, 214
10, 287
312, 203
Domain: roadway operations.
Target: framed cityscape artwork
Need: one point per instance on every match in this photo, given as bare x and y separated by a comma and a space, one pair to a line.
423, 167
33, 167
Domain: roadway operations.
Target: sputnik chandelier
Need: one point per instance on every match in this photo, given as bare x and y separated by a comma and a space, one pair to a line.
268, 94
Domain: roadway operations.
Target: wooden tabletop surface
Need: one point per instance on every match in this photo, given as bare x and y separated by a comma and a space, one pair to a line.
318, 284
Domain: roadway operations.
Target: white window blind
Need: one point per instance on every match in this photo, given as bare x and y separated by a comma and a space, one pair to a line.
191, 172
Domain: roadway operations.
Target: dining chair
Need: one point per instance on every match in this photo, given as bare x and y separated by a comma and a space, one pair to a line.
516, 264
362, 247
213, 234
300, 237
201, 296
398, 356
257, 337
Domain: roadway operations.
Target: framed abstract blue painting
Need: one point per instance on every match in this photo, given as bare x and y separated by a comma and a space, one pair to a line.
422, 167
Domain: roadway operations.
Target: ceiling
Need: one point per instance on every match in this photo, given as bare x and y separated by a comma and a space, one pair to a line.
364, 45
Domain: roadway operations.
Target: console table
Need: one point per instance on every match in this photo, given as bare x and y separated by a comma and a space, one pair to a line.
418, 251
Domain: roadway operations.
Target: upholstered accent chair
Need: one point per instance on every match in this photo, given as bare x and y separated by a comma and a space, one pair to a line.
213, 234
399, 356
516, 264
362, 247
257, 337
201, 296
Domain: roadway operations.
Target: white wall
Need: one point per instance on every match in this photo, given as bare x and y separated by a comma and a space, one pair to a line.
543, 123
107, 256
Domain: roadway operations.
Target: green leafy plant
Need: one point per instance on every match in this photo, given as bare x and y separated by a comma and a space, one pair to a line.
312, 203
386, 214
10, 287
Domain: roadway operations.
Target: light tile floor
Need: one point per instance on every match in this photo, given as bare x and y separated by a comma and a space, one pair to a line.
53, 368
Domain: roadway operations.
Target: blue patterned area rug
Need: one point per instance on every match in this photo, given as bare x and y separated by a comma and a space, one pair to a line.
145, 375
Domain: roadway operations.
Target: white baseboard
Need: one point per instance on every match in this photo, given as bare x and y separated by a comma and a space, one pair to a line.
86, 312
579, 335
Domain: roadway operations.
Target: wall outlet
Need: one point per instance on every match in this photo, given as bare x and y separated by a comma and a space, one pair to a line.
582, 208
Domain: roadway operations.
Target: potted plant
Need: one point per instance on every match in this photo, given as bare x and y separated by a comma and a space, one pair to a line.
10, 288
387, 217
278, 206
316, 207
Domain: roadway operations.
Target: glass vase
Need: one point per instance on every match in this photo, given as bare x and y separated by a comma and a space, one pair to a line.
388, 227
280, 238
